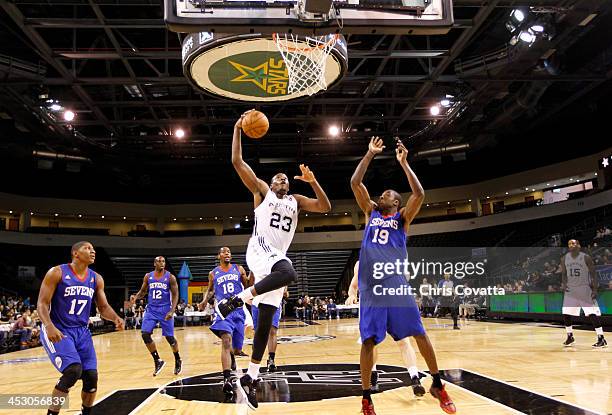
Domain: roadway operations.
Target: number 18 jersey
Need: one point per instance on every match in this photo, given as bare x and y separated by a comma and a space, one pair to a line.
276, 220
227, 283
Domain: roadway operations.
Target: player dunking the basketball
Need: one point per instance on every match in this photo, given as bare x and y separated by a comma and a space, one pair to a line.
162, 290
381, 311
64, 303
276, 216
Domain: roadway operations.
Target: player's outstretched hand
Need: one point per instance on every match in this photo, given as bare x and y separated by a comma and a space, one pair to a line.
118, 323
307, 175
401, 152
352, 299
239, 122
169, 315
53, 334
376, 145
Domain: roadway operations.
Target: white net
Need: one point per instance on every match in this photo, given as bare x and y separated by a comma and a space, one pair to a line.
305, 58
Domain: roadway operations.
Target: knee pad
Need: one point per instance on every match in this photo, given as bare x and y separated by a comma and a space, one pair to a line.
70, 375
171, 340
286, 268
567, 320
90, 381
147, 338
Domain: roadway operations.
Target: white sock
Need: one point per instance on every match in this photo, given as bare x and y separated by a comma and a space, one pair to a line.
413, 371
253, 370
408, 355
569, 329
599, 331
246, 295
374, 368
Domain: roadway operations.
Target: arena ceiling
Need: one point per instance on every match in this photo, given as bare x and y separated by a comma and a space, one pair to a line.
118, 68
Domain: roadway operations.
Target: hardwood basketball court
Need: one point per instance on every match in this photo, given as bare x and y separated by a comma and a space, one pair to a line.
498, 367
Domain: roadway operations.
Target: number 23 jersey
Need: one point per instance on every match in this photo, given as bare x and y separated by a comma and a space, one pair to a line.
276, 220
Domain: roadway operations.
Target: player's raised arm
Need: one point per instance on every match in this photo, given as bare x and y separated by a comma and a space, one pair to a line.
175, 297
321, 204
359, 190
413, 205
247, 175
106, 311
144, 289
49, 284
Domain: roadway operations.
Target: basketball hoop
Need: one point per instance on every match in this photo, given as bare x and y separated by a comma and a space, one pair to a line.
305, 58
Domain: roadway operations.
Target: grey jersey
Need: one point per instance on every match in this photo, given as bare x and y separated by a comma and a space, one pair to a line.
577, 270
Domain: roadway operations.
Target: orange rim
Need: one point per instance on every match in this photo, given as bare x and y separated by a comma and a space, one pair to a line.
333, 39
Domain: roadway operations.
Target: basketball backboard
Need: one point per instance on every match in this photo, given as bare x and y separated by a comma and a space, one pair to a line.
289, 16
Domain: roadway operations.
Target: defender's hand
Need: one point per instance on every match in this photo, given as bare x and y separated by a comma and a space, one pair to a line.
307, 175
376, 145
401, 152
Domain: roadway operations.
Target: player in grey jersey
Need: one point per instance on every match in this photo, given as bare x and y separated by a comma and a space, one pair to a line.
579, 285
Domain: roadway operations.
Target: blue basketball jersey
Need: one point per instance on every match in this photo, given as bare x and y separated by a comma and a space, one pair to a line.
227, 283
160, 295
71, 302
381, 259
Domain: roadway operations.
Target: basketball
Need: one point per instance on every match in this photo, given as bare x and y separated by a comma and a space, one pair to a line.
255, 124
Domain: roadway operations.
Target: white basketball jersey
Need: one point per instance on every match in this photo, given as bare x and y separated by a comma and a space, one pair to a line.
276, 220
577, 270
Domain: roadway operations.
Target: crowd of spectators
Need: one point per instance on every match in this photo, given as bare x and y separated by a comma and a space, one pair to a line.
316, 308
133, 315
603, 233
19, 323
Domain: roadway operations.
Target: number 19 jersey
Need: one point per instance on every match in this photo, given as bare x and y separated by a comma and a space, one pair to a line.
276, 220
383, 247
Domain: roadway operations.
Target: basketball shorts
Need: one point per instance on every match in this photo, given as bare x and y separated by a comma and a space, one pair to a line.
152, 316
275, 319
233, 324
261, 257
399, 322
76, 347
579, 298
